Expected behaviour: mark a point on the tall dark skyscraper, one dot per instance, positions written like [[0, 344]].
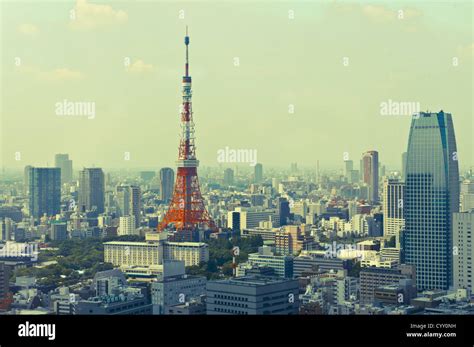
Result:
[[370, 173], [431, 198], [166, 184], [63, 162], [44, 191], [258, 173], [91, 190], [283, 206]]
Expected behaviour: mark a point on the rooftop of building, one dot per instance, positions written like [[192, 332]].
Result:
[[388, 287], [187, 244], [252, 281], [153, 243], [179, 278]]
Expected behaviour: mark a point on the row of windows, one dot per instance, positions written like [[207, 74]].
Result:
[[231, 297], [226, 310], [125, 307], [225, 303]]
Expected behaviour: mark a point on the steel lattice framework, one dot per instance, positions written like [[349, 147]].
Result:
[[186, 212]]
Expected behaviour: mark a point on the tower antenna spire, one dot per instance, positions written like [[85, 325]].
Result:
[[186, 42]]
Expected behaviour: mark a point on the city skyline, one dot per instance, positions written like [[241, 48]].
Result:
[[327, 189], [136, 120]]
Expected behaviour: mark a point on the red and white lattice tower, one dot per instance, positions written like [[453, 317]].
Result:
[[186, 212]]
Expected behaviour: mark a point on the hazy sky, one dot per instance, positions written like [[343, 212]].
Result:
[[335, 62]]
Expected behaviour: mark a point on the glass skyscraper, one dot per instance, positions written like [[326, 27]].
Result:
[[370, 174], [431, 198], [91, 190], [44, 191], [63, 162], [166, 184]]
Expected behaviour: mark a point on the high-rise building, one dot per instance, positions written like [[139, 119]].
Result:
[[166, 184], [228, 177], [348, 167], [135, 204], [58, 231], [91, 190], [370, 174], [363, 224], [63, 162], [26, 180], [467, 187], [4, 282], [467, 202], [463, 250], [393, 220], [431, 198], [127, 225], [129, 202], [354, 176], [6, 229], [275, 184], [467, 196], [258, 173], [283, 206], [404, 166], [44, 191]]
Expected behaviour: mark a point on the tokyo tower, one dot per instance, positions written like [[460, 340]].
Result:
[[186, 213]]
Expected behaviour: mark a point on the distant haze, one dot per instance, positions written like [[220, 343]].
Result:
[[297, 81]]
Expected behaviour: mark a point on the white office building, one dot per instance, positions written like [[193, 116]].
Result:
[[463, 250], [127, 226], [246, 218], [393, 220]]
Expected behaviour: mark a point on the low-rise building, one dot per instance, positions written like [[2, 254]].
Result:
[[282, 265], [153, 251], [174, 290], [373, 277], [252, 295]]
